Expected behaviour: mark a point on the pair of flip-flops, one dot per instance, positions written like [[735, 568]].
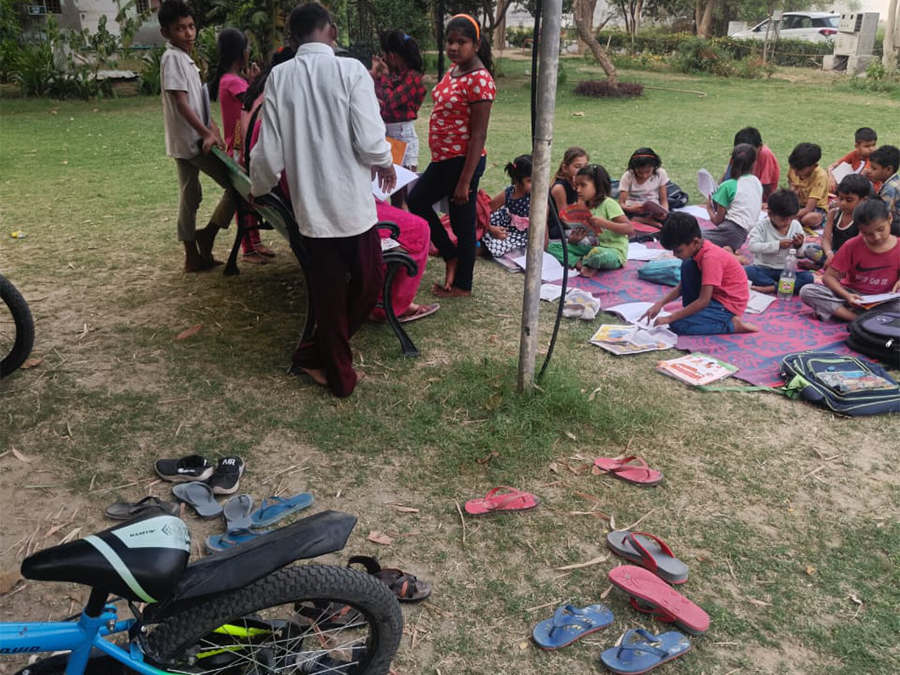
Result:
[[502, 499], [649, 594], [242, 521], [637, 651], [129, 510], [631, 469]]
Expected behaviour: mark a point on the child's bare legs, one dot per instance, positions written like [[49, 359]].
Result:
[[193, 261], [584, 270], [844, 314], [205, 239], [744, 326], [812, 220]]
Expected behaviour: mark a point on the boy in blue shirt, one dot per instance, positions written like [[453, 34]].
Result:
[[190, 133]]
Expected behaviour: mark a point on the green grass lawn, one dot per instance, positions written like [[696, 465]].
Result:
[[787, 516]]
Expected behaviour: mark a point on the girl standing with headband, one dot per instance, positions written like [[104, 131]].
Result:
[[643, 182], [457, 132]]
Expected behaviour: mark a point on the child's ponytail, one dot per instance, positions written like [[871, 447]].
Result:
[[570, 156], [469, 26], [743, 157], [602, 182], [519, 169], [230, 46], [398, 42]]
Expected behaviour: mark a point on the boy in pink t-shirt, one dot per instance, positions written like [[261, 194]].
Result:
[[714, 289], [868, 264], [766, 168]]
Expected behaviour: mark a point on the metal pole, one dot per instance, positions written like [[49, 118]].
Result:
[[543, 139]]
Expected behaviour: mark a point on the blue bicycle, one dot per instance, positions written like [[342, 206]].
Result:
[[245, 611]]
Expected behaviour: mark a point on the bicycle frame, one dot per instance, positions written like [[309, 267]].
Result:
[[78, 637]]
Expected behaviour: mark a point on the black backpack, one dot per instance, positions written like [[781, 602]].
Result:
[[678, 198], [876, 333]]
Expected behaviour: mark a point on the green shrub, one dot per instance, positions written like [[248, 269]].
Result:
[[876, 79], [9, 54], [36, 72], [702, 56], [603, 89], [149, 80]]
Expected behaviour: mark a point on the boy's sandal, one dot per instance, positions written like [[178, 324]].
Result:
[[129, 510], [648, 550], [222, 542], [495, 501], [570, 623], [420, 313], [237, 512], [652, 595], [272, 509], [405, 586], [638, 651], [262, 249], [200, 496], [632, 469], [326, 615]]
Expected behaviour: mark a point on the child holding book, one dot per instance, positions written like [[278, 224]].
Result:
[[642, 189], [713, 289], [868, 264], [734, 207], [858, 158], [839, 227], [771, 240], [600, 241], [508, 228]]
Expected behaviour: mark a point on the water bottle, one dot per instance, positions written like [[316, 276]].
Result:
[[788, 277]]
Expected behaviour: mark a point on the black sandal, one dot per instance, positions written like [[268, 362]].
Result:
[[405, 586]]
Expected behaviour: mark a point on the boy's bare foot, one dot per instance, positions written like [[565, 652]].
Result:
[[744, 326], [262, 249], [452, 292], [585, 271], [844, 314], [205, 239], [255, 258], [450, 275], [193, 261], [317, 374]]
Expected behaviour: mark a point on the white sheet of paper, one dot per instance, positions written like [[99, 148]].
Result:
[[387, 244], [550, 292], [695, 210], [841, 171], [404, 178], [639, 251], [758, 302], [706, 184], [633, 311], [878, 297], [551, 269]]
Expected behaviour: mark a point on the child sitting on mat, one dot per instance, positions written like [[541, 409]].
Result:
[[563, 190], [713, 289], [766, 167], [868, 264], [508, 229], [642, 190], [883, 166], [810, 182], [858, 158], [839, 227], [734, 207], [770, 242], [600, 241]]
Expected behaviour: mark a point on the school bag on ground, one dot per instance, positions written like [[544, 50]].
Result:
[[843, 384], [666, 272], [677, 197], [876, 333]]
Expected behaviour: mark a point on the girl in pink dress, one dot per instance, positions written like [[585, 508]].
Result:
[[229, 86]]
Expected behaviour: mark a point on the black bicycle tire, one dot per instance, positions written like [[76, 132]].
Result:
[[24, 328], [288, 585]]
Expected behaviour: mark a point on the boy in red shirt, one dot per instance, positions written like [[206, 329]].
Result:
[[858, 158], [868, 264], [714, 289]]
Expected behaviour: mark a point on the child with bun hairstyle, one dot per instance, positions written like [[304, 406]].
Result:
[[457, 131], [508, 229]]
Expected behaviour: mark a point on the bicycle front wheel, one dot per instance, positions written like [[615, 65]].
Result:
[[16, 339], [302, 619]]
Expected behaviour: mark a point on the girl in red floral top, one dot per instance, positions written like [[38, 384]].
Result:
[[457, 132], [398, 86]]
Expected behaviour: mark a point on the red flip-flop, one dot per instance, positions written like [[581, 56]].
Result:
[[632, 469], [495, 501], [665, 603]]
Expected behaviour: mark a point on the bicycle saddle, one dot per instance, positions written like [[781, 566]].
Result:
[[140, 560]]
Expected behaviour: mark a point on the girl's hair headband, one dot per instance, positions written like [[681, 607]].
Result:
[[474, 23]]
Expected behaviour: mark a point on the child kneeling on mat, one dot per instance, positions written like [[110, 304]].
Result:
[[713, 289], [868, 264]]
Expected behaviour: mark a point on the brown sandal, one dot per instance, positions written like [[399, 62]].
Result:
[[405, 586]]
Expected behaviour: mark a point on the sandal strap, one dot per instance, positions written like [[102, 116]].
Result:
[[648, 641], [367, 561], [658, 612], [648, 560], [570, 615]]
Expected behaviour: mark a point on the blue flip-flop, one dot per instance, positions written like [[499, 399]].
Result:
[[222, 542], [639, 651], [570, 623], [273, 509]]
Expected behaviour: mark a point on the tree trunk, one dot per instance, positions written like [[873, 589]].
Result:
[[500, 25], [704, 28], [636, 18], [892, 38], [586, 35], [586, 8]]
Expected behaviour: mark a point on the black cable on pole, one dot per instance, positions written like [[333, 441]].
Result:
[[440, 39], [534, 63]]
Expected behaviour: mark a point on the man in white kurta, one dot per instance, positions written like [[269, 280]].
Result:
[[322, 127]]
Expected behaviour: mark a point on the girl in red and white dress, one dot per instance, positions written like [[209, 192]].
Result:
[[457, 132]]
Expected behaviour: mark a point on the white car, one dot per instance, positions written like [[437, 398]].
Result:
[[811, 26]]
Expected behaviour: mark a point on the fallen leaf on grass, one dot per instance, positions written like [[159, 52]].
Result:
[[759, 603], [577, 114], [401, 508], [595, 561], [571, 435], [596, 470], [193, 330], [810, 570], [554, 467], [379, 538], [487, 458], [31, 362], [8, 581], [69, 537], [612, 522], [19, 456], [594, 393], [606, 592], [855, 599]]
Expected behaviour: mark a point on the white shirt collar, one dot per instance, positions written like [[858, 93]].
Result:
[[315, 48]]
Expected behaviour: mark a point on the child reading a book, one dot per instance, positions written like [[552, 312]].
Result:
[[600, 242], [858, 158], [810, 182], [852, 191], [771, 240], [508, 229], [642, 190], [734, 207], [868, 264], [713, 289], [766, 167]]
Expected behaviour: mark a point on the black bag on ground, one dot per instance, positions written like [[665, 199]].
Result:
[[677, 197], [876, 333], [842, 383]]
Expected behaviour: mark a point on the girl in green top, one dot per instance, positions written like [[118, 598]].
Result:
[[600, 240]]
